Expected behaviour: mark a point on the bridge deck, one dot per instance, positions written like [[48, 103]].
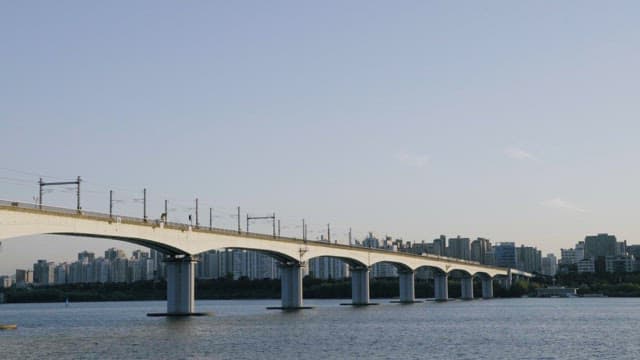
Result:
[[87, 215]]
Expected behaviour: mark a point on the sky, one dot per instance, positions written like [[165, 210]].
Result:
[[513, 121]]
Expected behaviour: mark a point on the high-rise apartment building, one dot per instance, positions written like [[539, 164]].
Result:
[[44, 272], [326, 267], [440, 246], [505, 254], [481, 251], [459, 248], [549, 265], [24, 277], [529, 259]]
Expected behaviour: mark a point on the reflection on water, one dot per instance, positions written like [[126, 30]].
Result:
[[495, 329]]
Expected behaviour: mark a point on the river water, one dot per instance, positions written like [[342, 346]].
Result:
[[603, 328]]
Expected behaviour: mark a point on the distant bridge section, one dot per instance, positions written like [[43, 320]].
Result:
[[181, 243]]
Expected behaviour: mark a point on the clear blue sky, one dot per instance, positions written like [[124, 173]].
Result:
[[515, 121]]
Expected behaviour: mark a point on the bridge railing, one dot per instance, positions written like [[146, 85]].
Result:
[[186, 226], [125, 219], [132, 220]]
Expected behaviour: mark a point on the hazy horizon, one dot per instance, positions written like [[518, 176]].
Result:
[[508, 121]]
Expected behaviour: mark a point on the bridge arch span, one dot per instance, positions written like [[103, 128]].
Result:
[[400, 266], [351, 262], [432, 267], [482, 275], [160, 247], [459, 273], [283, 258]]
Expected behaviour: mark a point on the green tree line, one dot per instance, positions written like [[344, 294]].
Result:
[[227, 288]]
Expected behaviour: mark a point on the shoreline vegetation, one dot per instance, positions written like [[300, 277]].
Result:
[[223, 289], [611, 285]]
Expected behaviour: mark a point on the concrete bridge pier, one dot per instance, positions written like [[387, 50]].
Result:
[[180, 287], [466, 287], [359, 286], [407, 287], [441, 286], [291, 287], [487, 288]]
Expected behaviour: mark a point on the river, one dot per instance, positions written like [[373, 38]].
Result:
[[577, 328]]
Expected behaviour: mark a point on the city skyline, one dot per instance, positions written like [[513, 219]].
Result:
[[182, 215], [602, 249], [512, 122]]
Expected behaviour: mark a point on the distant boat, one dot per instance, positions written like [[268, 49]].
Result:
[[8, 327], [556, 292]]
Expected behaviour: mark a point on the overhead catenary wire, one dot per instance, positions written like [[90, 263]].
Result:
[[224, 215]]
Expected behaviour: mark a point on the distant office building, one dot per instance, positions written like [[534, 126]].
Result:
[[158, 264], [209, 265], [60, 274], [621, 248], [249, 264], [226, 259], [101, 268], [371, 242], [74, 273], [572, 256], [113, 254], [118, 270], [6, 281], [419, 248], [505, 254], [586, 265], [326, 267], [440, 246], [139, 255], [24, 277], [383, 270], [43, 272], [86, 257], [459, 248], [140, 269], [490, 259], [549, 265], [260, 266], [568, 256], [619, 264], [430, 248], [481, 251], [579, 251], [634, 250], [600, 245], [529, 259]]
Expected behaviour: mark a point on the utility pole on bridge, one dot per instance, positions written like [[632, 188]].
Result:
[[197, 217], [304, 230], [42, 184], [144, 204], [272, 217]]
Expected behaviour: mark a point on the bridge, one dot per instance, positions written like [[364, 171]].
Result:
[[181, 243]]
